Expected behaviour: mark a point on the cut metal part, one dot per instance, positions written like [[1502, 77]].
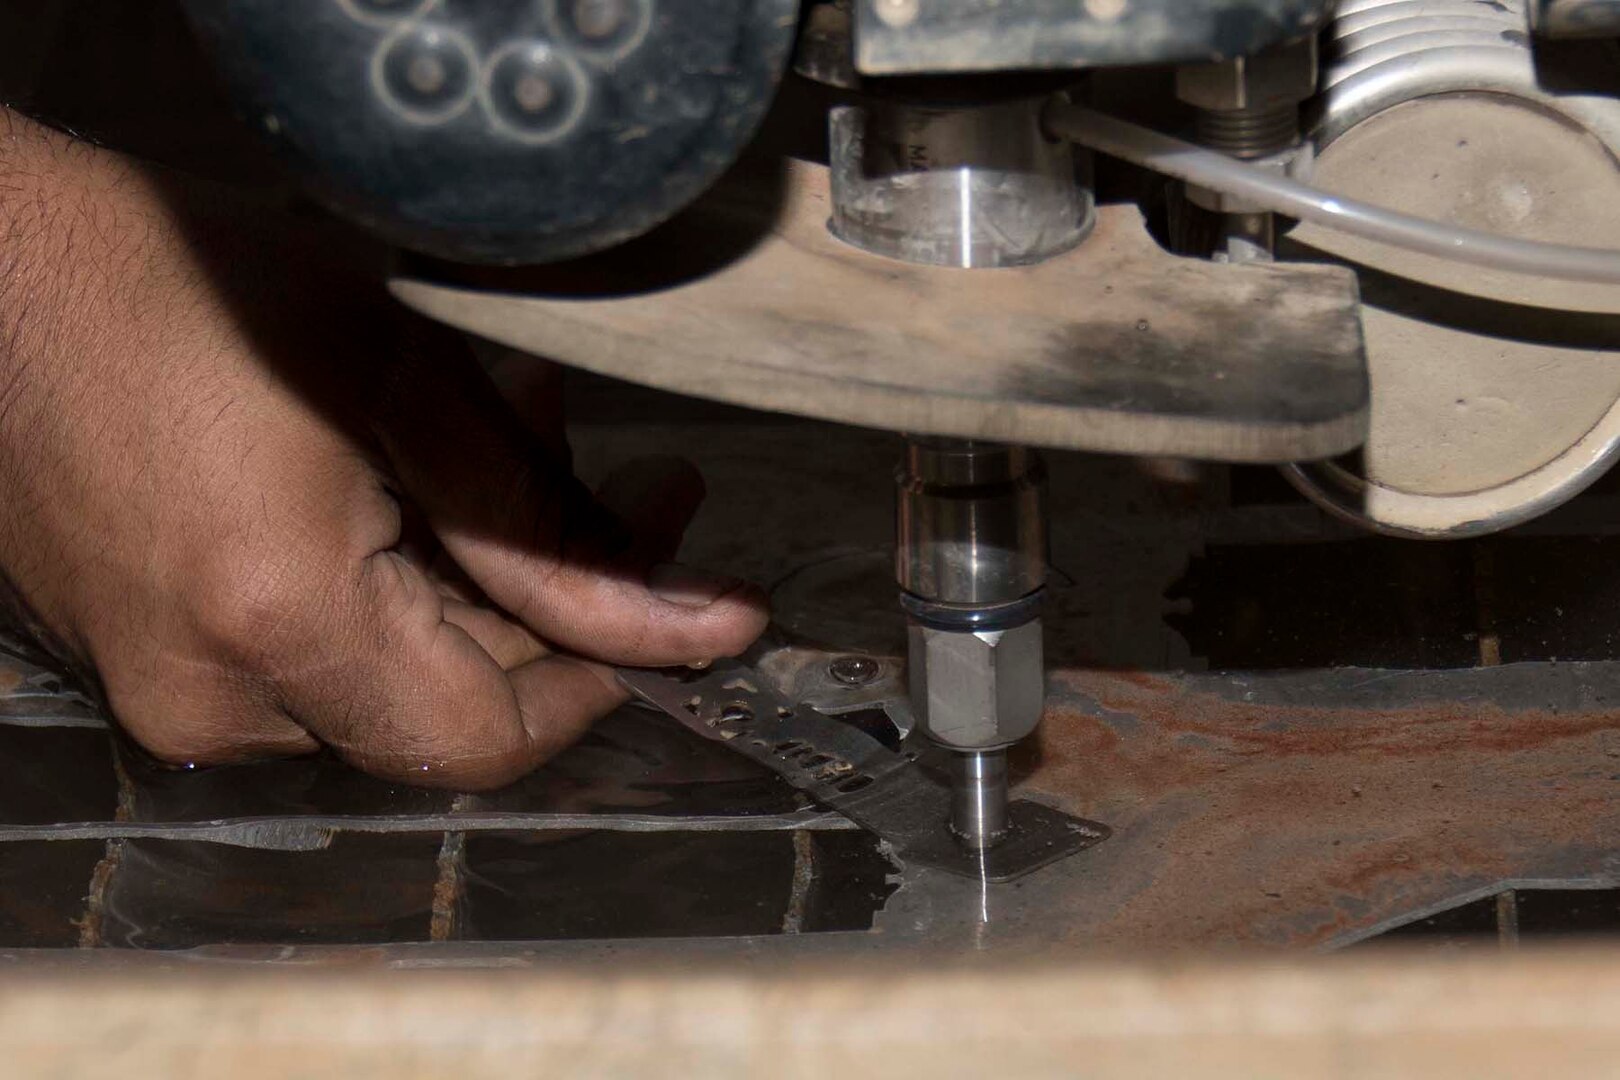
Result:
[[821, 680], [897, 795]]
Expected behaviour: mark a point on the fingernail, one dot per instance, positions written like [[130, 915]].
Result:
[[687, 586]]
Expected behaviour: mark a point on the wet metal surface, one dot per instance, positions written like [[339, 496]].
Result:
[[632, 763], [360, 890], [639, 831], [672, 775], [1273, 808], [68, 775], [1316, 797], [44, 886], [523, 887]]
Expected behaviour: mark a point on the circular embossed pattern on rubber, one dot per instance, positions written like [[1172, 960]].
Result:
[[504, 131]]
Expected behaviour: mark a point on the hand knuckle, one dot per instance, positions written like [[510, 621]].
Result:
[[250, 612], [202, 718]]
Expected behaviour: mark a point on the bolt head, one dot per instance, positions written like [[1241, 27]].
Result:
[[854, 670], [1283, 75]]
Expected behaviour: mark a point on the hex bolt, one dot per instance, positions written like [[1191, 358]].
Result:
[[854, 670], [979, 690]]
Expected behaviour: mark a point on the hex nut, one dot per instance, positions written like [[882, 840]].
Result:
[[977, 691], [1283, 75]]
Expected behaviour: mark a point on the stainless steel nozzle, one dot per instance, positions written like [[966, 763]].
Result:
[[979, 798]]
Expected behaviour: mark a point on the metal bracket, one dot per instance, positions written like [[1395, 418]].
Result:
[[897, 795], [1116, 347]]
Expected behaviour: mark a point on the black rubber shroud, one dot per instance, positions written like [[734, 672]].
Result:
[[503, 131]]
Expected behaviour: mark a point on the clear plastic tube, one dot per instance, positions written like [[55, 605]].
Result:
[[1283, 195]]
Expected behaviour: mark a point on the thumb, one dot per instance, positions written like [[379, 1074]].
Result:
[[528, 533]]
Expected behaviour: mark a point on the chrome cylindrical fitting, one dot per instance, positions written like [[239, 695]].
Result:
[[971, 522]]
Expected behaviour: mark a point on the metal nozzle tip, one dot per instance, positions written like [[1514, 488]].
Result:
[[979, 798]]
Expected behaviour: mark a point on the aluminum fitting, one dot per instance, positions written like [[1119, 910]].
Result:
[[979, 798], [963, 186]]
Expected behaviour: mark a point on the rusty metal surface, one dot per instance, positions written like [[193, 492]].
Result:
[[1318, 808], [1316, 799], [1298, 809]]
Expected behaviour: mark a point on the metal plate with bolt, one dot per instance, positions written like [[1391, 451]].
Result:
[[895, 794]]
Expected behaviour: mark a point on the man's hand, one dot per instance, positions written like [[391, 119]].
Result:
[[268, 513]]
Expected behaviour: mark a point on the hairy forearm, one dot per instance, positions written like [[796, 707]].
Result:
[[40, 172], [80, 230], [59, 201]]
